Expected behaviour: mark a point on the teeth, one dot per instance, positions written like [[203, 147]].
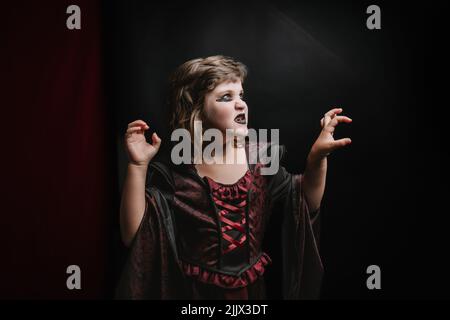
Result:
[[240, 119]]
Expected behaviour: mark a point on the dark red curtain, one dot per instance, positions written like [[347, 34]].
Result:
[[57, 207]]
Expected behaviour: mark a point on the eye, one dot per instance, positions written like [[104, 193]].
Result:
[[225, 97]]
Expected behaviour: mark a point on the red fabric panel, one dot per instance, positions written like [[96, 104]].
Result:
[[56, 184]]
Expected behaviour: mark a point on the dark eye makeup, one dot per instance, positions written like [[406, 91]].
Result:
[[227, 97]]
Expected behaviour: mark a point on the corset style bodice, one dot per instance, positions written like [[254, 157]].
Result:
[[220, 233]]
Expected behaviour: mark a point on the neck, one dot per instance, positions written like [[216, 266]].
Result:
[[230, 153]]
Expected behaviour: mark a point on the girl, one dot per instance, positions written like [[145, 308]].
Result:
[[195, 230]]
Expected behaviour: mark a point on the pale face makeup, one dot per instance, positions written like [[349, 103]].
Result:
[[225, 108]]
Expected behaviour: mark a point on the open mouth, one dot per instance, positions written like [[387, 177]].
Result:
[[240, 118]]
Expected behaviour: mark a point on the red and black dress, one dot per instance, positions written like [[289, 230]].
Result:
[[236, 271], [200, 239]]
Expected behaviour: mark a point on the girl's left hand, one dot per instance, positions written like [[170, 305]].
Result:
[[325, 143]]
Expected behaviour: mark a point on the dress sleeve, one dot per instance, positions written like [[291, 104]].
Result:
[[282, 184], [140, 264], [150, 272], [302, 265]]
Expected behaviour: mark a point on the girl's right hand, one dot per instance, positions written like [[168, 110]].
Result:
[[139, 151]]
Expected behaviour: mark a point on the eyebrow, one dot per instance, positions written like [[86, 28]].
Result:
[[228, 91]]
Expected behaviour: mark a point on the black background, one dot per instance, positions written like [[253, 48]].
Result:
[[67, 97], [305, 58]]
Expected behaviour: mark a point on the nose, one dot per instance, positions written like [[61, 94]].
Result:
[[240, 105]]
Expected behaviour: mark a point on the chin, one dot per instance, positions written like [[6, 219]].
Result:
[[241, 131]]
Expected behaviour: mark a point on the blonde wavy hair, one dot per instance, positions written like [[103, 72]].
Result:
[[192, 80]]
